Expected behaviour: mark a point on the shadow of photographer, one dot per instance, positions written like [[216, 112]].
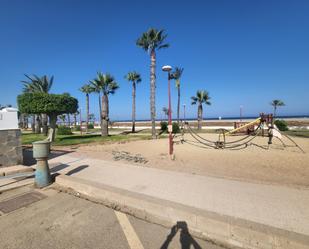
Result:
[[186, 239]]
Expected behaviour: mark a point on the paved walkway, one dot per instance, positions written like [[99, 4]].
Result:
[[277, 206]]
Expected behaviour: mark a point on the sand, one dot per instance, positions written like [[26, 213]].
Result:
[[278, 165]]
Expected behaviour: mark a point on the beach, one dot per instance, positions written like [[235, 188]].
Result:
[[277, 165]]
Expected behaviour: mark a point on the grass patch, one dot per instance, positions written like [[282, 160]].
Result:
[[297, 133], [62, 140]]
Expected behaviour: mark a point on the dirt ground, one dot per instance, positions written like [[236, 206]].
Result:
[[277, 165]]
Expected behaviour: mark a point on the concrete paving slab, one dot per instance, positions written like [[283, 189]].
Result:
[[276, 206]]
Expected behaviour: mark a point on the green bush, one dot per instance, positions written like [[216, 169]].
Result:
[[163, 126], [282, 125], [90, 126], [77, 128], [64, 130], [176, 128]]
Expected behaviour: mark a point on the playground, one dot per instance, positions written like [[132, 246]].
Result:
[[277, 165]]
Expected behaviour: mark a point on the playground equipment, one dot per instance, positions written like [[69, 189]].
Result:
[[264, 122]]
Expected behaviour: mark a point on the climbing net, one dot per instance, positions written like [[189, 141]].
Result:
[[242, 143]]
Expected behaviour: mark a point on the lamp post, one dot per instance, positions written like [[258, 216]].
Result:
[[170, 128]]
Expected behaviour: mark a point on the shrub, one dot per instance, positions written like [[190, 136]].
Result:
[[163, 126], [77, 128], [282, 125], [176, 128], [64, 130], [90, 126]]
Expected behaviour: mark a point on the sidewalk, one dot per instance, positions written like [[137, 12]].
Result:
[[278, 206]]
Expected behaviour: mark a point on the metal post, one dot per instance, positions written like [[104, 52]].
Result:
[[170, 116], [80, 121]]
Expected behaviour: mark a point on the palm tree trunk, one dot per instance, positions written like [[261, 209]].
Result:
[[100, 107], [69, 120], [178, 104], [87, 111], [133, 106], [153, 93], [44, 121], [33, 123], [275, 111], [199, 117], [105, 118], [75, 119], [52, 123], [37, 124]]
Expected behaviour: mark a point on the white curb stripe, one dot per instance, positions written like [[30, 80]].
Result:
[[129, 232]]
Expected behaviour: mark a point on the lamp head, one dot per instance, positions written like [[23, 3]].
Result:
[[166, 68]]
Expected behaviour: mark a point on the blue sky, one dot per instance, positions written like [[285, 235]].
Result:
[[243, 52]]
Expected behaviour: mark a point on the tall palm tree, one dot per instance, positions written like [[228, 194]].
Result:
[[87, 89], [38, 84], [151, 41], [176, 75], [135, 78], [108, 86], [276, 103], [97, 89], [201, 97]]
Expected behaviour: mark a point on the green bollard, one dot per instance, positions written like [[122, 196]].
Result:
[[40, 153]]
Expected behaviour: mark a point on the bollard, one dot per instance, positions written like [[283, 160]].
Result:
[[40, 153]]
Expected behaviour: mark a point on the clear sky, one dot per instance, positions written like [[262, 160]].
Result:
[[243, 52]]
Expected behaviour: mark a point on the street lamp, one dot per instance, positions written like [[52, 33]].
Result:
[[170, 128]]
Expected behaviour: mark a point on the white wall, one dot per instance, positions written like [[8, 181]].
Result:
[[8, 119]]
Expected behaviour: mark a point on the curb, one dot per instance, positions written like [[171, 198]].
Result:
[[12, 170], [223, 230]]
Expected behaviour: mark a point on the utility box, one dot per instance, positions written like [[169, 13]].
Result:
[[10, 138]]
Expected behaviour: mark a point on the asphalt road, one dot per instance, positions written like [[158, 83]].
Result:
[[58, 220]]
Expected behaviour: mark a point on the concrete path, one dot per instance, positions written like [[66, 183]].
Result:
[[62, 221], [276, 206]]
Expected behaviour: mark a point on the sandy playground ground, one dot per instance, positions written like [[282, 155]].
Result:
[[278, 165]]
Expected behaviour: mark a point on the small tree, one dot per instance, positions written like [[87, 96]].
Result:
[[87, 89], [135, 78], [50, 104], [202, 97], [108, 86], [276, 103], [176, 75]]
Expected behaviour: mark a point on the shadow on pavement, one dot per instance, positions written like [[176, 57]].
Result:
[[186, 239], [77, 169]]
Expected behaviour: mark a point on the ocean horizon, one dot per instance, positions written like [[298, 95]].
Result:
[[215, 118]]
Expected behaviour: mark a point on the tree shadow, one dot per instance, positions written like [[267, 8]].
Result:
[[186, 239]]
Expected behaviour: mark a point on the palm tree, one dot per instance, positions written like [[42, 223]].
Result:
[[135, 78], [176, 75], [38, 84], [97, 89], [276, 103], [151, 41], [108, 86], [87, 89], [202, 97], [165, 111]]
